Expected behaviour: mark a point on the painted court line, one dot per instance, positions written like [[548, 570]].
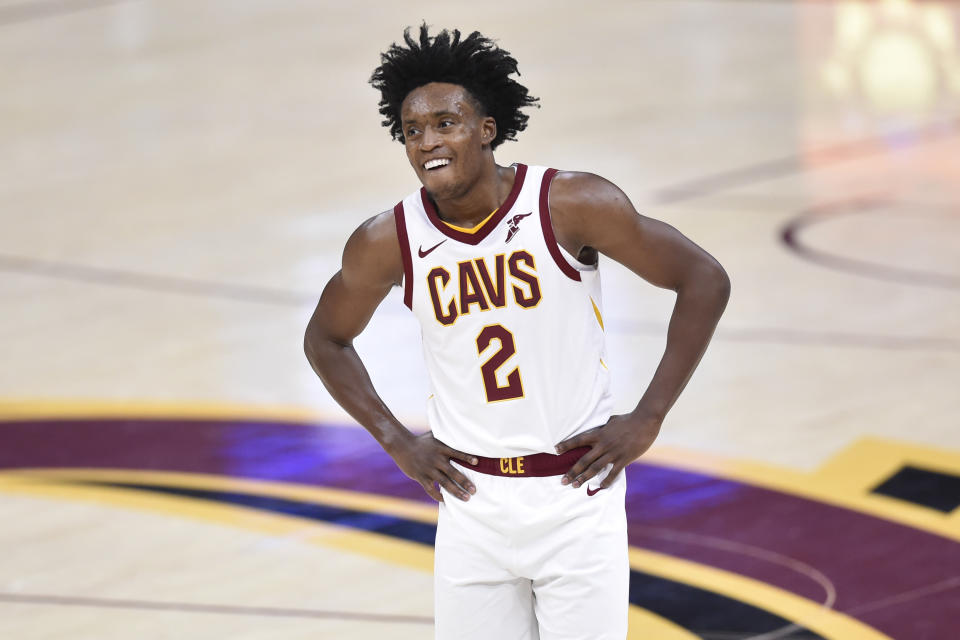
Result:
[[286, 297], [818, 158], [791, 232], [190, 607]]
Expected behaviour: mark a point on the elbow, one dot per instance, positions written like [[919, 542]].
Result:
[[318, 344], [708, 282], [306, 344], [313, 340], [309, 344], [721, 284]]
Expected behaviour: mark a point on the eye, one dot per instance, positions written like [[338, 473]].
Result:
[[411, 131], [446, 123]]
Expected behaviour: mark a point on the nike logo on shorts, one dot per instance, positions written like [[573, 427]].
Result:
[[593, 492], [424, 254]]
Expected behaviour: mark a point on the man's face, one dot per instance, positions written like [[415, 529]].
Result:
[[445, 137]]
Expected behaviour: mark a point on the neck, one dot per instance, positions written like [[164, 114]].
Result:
[[480, 199]]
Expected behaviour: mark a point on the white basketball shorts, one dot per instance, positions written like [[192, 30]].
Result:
[[527, 558]]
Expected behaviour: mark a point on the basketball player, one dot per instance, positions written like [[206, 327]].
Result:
[[499, 264]]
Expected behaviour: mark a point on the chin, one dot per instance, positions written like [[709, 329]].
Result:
[[443, 189]]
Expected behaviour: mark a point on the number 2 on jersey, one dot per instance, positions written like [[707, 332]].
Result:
[[513, 388]]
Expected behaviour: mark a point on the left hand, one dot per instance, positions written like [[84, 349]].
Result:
[[620, 441]]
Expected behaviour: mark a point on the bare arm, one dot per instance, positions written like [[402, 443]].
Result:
[[371, 266], [591, 214]]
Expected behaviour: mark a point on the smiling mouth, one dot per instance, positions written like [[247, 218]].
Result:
[[436, 164]]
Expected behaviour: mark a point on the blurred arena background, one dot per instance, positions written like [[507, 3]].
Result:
[[177, 180]]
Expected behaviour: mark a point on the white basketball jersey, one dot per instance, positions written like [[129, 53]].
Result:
[[511, 324]]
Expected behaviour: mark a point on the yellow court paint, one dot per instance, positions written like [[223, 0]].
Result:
[[391, 550], [844, 481], [41, 408], [812, 615], [409, 509], [870, 461], [646, 625]]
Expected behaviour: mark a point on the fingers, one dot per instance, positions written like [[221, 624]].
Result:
[[580, 440], [461, 481], [454, 488], [454, 482], [459, 455], [572, 443], [454, 474], [434, 468], [591, 471], [612, 476], [580, 466], [432, 491]]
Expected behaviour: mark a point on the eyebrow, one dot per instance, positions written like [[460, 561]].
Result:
[[432, 114]]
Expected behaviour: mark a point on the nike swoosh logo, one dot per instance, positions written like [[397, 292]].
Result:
[[424, 254], [593, 492]]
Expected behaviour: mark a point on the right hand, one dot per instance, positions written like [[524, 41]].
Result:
[[427, 460]]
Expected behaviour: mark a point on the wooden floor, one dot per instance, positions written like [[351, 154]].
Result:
[[177, 180]]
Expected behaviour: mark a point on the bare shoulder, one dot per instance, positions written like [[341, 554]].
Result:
[[581, 190], [371, 257], [590, 212], [585, 204]]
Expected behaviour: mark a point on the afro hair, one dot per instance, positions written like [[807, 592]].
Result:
[[475, 63]]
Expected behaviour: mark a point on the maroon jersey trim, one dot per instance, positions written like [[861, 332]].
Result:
[[548, 236], [477, 235], [401, 223]]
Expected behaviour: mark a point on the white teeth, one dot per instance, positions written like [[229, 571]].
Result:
[[439, 162]]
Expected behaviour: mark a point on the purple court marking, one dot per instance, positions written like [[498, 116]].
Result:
[[722, 523], [867, 559], [192, 607], [790, 235]]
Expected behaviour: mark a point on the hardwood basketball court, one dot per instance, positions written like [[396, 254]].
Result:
[[177, 180]]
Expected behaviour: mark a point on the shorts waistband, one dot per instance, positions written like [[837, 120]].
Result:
[[535, 465]]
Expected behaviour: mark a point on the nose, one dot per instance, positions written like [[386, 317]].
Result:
[[430, 139]]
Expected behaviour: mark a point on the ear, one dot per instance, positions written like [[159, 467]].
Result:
[[488, 130]]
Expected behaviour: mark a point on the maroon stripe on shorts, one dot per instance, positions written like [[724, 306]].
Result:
[[536, 465]]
